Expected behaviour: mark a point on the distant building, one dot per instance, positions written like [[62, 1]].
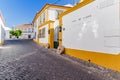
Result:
[[27, 31], [2, 31]]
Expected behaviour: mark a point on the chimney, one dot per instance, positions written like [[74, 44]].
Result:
[[81, 1]]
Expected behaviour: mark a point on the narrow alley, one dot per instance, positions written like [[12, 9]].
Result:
[[25, 60]]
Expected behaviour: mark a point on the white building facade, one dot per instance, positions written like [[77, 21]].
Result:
[[2, 31], [46, 22], [91, 31], [27, 31], [7, 33]]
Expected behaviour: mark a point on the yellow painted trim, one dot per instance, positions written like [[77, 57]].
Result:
[[51, 35], [79, 5], [60, 7], [60, 21], [48, 6], [1, 43], [103, 59], [60, 33], [39, 43], [46, 15], [43, 44], [40, 12], [36, 41], [35, 18], [47, 22]]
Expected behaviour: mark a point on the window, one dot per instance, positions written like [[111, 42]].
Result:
[[39, 34], [35, 24], [58, 12], [40, 20], [24, 29], [42, 33], [43, 17], [32, 30], [29, 29]]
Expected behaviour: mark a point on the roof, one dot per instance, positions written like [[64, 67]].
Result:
[[24, 26], [2, 18], [47, 6]]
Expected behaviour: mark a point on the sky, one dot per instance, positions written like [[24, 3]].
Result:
[[17, 12]]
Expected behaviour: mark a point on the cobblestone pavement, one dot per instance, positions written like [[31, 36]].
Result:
[[25, 60]]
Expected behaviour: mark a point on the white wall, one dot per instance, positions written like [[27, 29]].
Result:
[[56, 30], [95, 27], [25, 36], [26, 32], [2, 31], [45, 39], [2, 34], [7, 34], [36, 29], [52, 14]]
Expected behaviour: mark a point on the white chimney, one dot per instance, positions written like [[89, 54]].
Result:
[[81, 1]]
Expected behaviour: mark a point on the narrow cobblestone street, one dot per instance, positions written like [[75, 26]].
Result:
[[25, 60]]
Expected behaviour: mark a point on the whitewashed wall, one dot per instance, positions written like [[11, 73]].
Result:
[[2, 31], [95, 27], [45, 39], [52, 13], [56, 30], [25, 36], [36, 29], [7, 34], [1, 34]]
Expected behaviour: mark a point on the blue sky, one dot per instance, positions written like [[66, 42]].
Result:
[[18, 12]]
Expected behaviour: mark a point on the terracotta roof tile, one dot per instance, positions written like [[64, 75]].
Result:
[[24, 26]]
